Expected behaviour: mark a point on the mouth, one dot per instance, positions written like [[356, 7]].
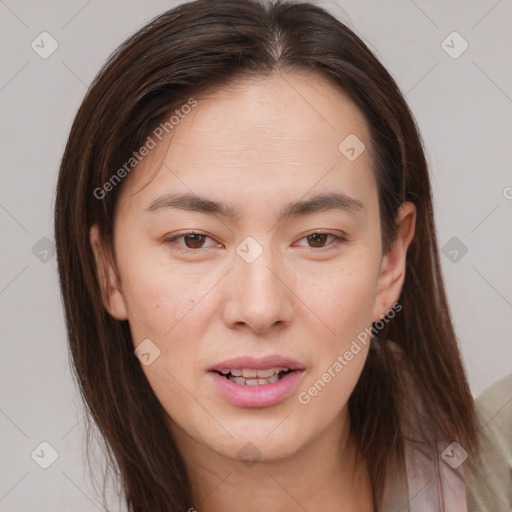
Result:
[[251, 388], [252, 377], [247, 381]]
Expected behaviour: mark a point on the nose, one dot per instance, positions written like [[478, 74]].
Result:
[[260, 294]]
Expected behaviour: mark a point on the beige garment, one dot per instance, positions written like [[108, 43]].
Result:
[[488, 490]]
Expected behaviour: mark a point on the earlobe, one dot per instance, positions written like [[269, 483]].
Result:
[[392, 273], [113, 299]]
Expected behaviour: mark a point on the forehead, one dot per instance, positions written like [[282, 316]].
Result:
[[283, 113], [280, 133]]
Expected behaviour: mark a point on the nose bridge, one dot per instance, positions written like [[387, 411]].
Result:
[[256, 267], [260, 294]]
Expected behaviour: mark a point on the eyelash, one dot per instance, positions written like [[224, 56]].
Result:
[[188, 249]]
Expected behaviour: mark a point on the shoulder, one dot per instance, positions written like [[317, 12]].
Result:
[[489, 488]]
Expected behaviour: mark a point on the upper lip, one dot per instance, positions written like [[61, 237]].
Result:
[[254, 363]]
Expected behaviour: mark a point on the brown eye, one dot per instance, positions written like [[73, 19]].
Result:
[[190, 241], [194, 241], [318, 239], [321, 240]]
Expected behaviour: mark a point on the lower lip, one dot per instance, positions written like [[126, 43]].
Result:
[[261, 395]]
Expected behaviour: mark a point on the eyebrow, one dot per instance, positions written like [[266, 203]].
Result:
[[319, 203]]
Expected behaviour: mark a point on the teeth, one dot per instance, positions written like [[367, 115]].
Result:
[[270, 380], [251, 374], [264, 374], [253, 382], [250, 377]]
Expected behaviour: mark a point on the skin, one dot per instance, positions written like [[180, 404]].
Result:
[[258, 145]]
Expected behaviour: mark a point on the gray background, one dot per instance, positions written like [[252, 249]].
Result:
[[463, 109]]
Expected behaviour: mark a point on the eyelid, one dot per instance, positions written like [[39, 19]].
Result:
[[175, 237], [337, 238], [334, 232]]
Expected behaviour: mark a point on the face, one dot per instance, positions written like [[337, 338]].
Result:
[[280, 261]]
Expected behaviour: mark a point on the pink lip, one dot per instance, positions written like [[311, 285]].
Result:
[[252, 363], [261, 395]]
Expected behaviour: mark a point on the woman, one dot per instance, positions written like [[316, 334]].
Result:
[[250, 273]]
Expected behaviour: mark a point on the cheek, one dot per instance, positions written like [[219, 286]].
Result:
[[164, 306], [344, 301], [159, 294], [342, 296]]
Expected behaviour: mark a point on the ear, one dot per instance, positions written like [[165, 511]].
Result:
[[113, 299], [392, 273]]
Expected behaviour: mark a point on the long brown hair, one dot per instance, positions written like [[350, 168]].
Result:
[[192, 48]]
